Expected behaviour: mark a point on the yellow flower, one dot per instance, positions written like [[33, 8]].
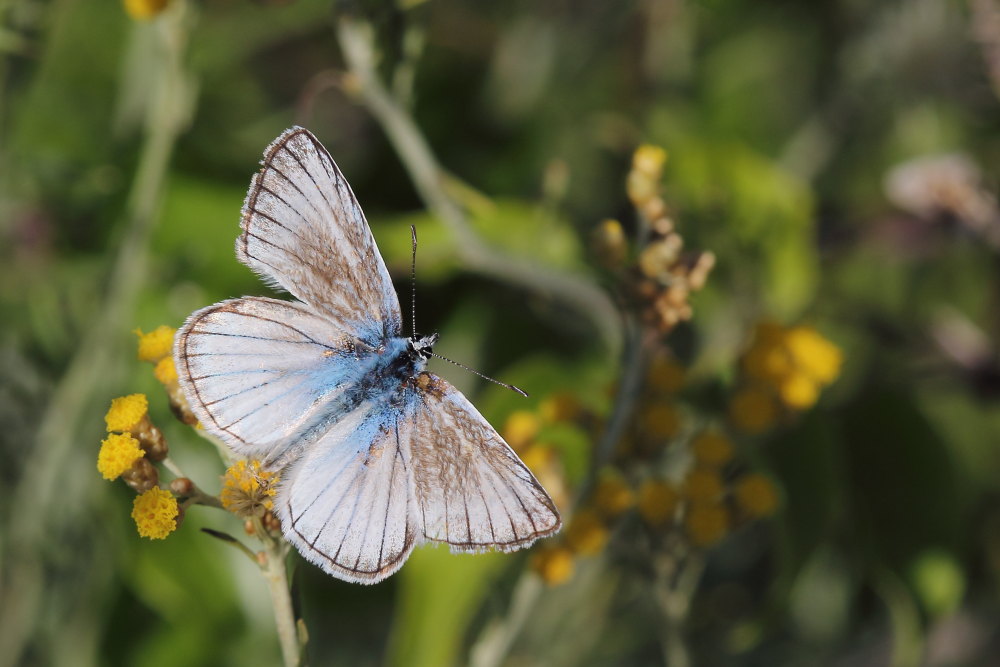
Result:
[[665, 375], [612, 496], [144, 9], [156, 344], [798, 391], [706, 524], [247, 490], [166, 371], [127, 412], [559, 407], [521, 428], [712, 448], [553, 564], [657, 502], [814, 354], [756, 495], [587, 533], [703, 485], [155, 513], [649, 160], [795, 362], [118, 453], [753, 410], [660, 420]]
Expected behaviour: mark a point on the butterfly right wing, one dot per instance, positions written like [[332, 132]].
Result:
[[472, 490], [259, 372]]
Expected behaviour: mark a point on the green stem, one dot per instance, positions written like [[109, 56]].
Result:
[[273, 567]]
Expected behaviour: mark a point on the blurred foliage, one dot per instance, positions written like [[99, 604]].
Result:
[[837, 158]]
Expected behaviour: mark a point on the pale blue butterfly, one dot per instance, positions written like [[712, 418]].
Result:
[[377, 455]]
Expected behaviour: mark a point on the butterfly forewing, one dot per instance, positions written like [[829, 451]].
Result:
[[471, 489], [303, 229], [256, 371]]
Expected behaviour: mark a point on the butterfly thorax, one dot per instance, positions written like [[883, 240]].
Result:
[[385, 372]]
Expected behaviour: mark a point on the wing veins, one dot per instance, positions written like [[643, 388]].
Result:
[[241, 372], [256, 409], [308, 173], [323, 492], [273, 340], [292, 230], [513, 528], [368, 523], [286, 325], [295, 185], [534, 526], [275, 245]]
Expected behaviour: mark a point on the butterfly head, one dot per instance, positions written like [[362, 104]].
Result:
[[421, 348]]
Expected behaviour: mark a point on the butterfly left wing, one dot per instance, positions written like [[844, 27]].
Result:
[[347, 504], [260, 373], [304, 230], [471, 489]]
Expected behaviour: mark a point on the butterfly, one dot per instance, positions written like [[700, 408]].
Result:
[[376, 454]]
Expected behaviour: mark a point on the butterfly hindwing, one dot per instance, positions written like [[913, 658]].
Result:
[[347, 505], [472, 491], [304, 230]]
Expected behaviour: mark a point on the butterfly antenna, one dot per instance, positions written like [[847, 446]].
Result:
[[413, 285], [485, 377]]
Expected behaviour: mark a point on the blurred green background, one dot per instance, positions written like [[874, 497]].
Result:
[[838, 157]]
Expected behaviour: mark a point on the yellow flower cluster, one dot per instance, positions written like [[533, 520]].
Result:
[[785, 368], [130, 414], [157, 348], [155, 513], [698, 502], [247, 489], [706, 503]]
